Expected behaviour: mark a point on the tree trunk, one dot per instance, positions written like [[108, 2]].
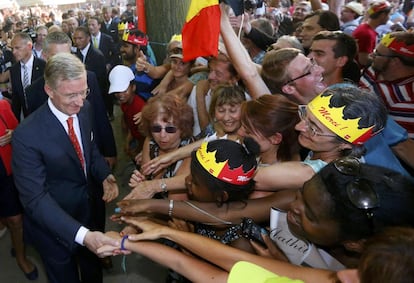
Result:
[[164, 18]]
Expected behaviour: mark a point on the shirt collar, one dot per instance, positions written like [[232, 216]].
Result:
[[62, 117], [29, 63]]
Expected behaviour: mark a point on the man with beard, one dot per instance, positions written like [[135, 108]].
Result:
[[391, 75], [134, 44]]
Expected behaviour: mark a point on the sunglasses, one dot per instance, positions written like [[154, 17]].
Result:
[[360, 191], [167, 129]]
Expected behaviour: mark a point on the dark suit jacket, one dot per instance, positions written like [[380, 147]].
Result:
[[95, 62], [112, 30], [104, 136], [52, 185], [18, 95], [109, 50]]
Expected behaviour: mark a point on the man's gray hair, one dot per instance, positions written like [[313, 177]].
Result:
[[56, 37], [63, 67]]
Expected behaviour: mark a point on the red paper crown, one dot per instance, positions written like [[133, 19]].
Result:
[[221, 170], [135, 39], [400, 47]]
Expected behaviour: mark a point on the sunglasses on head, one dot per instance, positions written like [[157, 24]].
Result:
[[168, 129], [360, 191]]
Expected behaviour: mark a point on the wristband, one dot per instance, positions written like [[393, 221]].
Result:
[[170, 208], [123, 242], [163, 186]]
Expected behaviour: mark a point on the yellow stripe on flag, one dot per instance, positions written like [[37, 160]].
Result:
[[197, 6]]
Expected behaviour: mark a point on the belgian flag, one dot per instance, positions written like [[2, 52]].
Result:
[[201, 29]]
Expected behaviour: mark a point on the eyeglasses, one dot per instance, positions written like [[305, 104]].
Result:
[[311, 69], [375, 53], [304, 117], [360, 191], [168, 129], [73, 96]]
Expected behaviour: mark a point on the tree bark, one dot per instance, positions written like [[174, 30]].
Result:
[[164, 18]]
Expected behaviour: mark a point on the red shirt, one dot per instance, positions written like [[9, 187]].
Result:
[[129, 111], [7, 121]]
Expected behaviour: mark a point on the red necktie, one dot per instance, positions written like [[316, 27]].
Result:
[[75, 142]]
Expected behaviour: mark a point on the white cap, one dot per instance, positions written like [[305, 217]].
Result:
[[356, 7], [120, 77]]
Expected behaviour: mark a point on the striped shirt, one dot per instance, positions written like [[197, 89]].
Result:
[[397, 95]]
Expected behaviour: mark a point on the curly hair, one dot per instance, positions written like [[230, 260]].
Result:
[[171, 108]]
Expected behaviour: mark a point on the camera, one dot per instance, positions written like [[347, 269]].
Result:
[[252, 231]]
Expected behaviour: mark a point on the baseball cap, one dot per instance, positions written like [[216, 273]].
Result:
[[244, 271], [378, 6], [355, 7], [120, 77]]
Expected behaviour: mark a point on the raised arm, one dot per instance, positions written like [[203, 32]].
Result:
[[245, 67]]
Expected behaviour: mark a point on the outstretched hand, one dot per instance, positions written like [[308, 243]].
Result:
[[150, 229], [110, 188], [94, 240]]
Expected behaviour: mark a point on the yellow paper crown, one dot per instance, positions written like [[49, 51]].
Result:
[[176, 37], [221, 170], [125, 25], [333, 119]]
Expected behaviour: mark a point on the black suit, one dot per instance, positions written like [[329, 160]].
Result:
[[104, 136], [113, 58], [56, 193], [95, 62], [112, 30], [109, 50], [18, 95]]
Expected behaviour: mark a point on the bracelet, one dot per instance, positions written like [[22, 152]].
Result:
[[170, 208], [123, 242], [163, 186]]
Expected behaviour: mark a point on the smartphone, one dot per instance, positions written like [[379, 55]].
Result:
[[252, 231]]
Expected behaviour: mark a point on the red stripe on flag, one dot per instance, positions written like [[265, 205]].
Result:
[[201, 34]]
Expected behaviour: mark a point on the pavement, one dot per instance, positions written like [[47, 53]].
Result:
[[138, 268]]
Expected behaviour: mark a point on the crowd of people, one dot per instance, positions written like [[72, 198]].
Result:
[[288, 156]]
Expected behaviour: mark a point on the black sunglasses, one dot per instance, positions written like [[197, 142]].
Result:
[[360, 191], [168, 129]]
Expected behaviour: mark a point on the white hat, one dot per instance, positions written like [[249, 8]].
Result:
[[120, 77], [355, 7]]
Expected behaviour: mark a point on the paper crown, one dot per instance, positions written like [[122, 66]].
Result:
[[221, 170], [333, 119], [125, 26], [134, 39], [378, 6], [176, 37], [398, 46]]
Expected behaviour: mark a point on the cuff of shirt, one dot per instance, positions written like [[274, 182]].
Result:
[[80, 235]]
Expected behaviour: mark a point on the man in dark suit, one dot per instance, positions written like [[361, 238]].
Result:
[[110, 51], [93, 59], [55, 174], [108, 26], [26, 70], [58, 42]]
